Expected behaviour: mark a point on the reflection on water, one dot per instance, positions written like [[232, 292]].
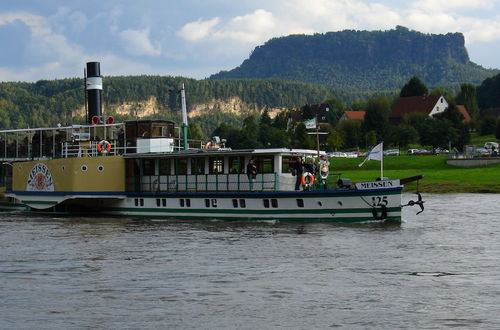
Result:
[[435, 270]]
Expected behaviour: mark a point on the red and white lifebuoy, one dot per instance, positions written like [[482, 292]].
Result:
[[104, 146], [307, 179]]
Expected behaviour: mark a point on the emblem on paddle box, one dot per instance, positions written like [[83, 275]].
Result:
[[40, 179]]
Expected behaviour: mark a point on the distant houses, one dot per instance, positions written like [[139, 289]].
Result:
[[352, 115], [429, 105]]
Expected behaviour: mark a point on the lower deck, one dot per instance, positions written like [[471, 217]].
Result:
[[348, 205]]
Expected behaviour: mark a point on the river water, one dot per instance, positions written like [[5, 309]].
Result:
[[440, 269]]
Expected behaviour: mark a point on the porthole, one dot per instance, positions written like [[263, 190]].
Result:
[[100, 168], [319, 203], [84, 168]]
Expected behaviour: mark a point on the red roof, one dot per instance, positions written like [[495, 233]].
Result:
[[423, 104], [360, 115], [463, 110]]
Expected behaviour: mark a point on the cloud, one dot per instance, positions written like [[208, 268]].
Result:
[[442, 5], [137, 42], [198, 30]]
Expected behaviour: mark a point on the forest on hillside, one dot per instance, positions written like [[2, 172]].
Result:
[[364, 60], [47, 103]]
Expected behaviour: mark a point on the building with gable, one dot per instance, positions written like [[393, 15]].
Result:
[[352, 115], [430, 105]]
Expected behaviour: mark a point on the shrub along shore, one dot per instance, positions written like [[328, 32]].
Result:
[[439, 177]]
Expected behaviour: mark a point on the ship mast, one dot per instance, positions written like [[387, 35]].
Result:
[[184, 118]]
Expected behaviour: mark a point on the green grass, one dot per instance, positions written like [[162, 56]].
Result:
[[480, 140], [439, 177]]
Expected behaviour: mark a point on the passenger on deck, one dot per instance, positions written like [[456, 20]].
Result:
[[310, 166], [251, 173], [298, 167]]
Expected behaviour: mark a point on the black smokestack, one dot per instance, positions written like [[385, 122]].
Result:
[[94, 89]]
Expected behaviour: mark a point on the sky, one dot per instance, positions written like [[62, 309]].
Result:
[[53, 39]]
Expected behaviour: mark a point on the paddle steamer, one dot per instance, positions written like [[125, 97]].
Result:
[[142, 168]]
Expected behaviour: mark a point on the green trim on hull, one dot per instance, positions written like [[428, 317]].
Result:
[[229, 218], [326, 215]]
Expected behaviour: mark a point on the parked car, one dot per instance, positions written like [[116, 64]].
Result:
[[391, 152], [424, 152], [412, 151], [490, 145], [439, 151], [482, 152], [337, 154], [352, 154]]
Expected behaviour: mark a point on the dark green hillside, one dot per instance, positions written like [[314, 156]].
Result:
[[47, 103], [363, 60]]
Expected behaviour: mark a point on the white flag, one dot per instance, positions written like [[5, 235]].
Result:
[[311, 123], [376, 153]]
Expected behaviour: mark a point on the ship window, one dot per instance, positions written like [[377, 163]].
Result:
[[197, 165], [84, 168], [300, 202], [214, 202], [148, 167], [181, 166], [237, 164], [136, 201], [158, 202], [181, 202], [188, 202], [142, 201], [164, 202], [164, 167], [100, 168], [144, 130], [274, 202], [265, 164], [235, 203], [216, 165], [243, 203], [207, 202], [287, 163], [266, 203]]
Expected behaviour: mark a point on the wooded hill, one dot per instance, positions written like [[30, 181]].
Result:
[[364, 60], [47, 103]]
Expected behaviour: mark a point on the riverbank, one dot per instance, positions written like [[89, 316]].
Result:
[[439, 177]]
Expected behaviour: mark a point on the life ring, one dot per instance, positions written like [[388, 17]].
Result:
[[104, 146], [310, 179]]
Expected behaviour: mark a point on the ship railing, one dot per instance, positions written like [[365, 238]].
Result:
[[89, 149], [204, 183]]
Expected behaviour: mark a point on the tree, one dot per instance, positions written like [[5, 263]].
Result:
[[281, 120], [371, 138], [414, 87], [334, 140], [405, 135], [468, 97], [195, 132], [250, 133], [265, 119], [487, 125], [377, 116], [352, 133], [300, 138]]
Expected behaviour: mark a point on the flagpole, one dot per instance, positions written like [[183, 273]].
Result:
[[382, 162], [382, 166]]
